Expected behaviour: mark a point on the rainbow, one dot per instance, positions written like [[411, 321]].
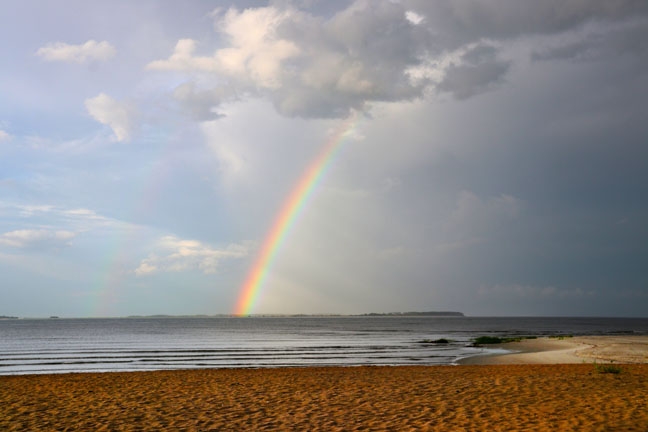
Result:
[[290, 210], [107, 286]]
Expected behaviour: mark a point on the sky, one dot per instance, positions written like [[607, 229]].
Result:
[[491, 156]]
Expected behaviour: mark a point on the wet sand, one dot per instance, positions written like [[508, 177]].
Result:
[[434, 398]]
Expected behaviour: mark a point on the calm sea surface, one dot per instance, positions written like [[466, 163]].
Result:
[[30, 346]]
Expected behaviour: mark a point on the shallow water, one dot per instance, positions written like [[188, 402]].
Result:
[[29, 346]]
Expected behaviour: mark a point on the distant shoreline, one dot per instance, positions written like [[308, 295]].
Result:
[[433, 314]]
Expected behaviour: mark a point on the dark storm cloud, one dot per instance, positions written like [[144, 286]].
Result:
[[478, 70], [470, 20], [627, 40]]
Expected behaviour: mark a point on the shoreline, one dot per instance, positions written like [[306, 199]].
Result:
[[567, 392], [570, 350], [632, 349]]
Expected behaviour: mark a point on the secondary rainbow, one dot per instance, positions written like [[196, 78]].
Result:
[[291, 209]]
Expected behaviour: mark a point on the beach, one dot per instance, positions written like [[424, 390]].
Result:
[[570, 350], [567, 396]]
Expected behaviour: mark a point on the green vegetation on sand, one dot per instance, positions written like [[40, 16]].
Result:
[[493, 340]]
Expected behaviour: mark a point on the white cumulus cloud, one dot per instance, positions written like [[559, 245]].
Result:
[[184, 255], [255, 53], [118, 115], [308, 66], [413, 17], [36, 238], [88, 51]]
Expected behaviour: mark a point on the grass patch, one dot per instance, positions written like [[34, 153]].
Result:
[[488, 340], [493, 340], [607, 369], [561, 337]]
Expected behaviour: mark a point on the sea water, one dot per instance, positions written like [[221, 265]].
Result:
[[33, 346]]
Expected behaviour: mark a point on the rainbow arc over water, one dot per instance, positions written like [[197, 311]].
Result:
[[289, 213]]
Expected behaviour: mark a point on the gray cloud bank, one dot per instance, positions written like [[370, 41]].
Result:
[[323, 66], [524, 193]]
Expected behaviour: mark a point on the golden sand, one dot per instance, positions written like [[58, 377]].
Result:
[[434, 398]]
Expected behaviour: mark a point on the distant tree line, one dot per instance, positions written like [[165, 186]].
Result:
[[429, 313]]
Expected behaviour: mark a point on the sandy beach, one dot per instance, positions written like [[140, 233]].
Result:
[[496, 397], [572, 350]]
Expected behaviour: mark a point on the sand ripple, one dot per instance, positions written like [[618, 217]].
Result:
[[437, 398]]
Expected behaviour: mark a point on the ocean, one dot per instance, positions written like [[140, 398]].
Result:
[[36, 346]]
